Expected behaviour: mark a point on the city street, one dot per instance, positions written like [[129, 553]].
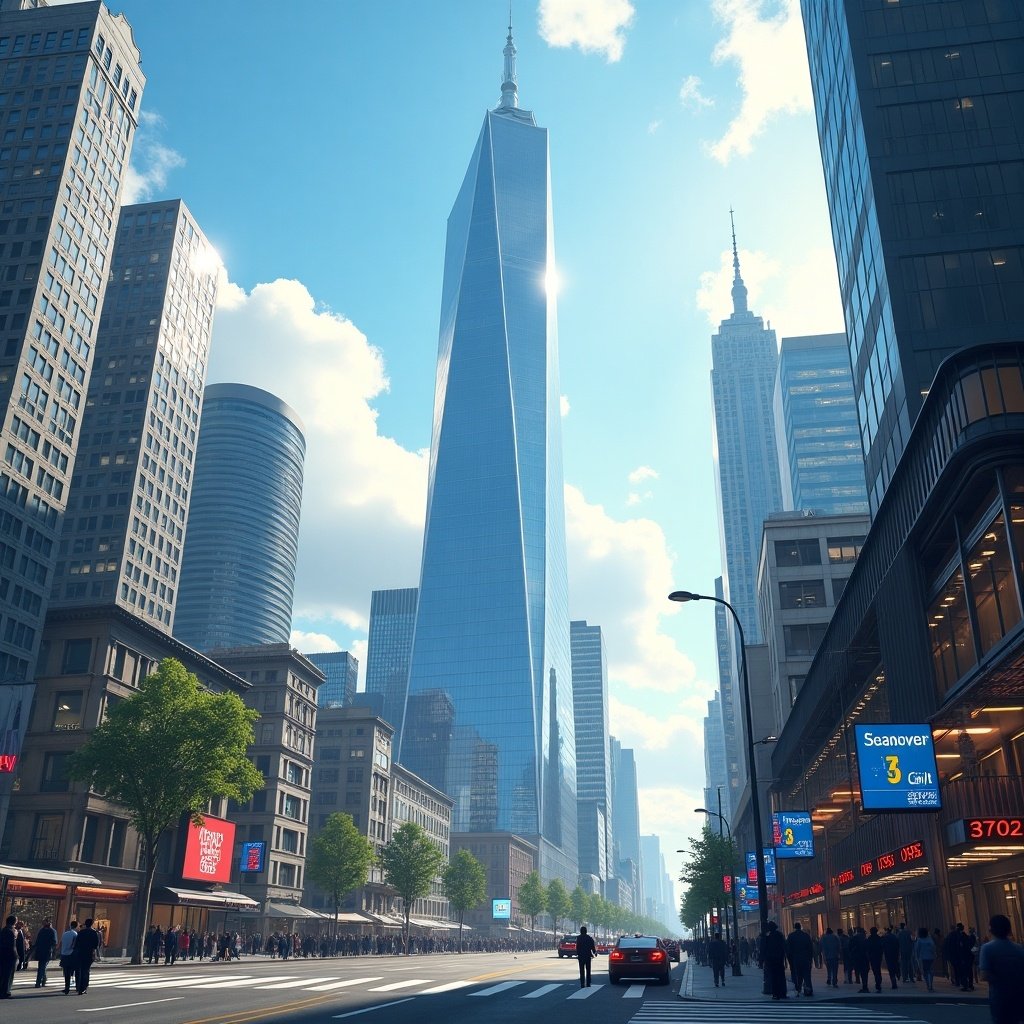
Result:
[[468, 989]]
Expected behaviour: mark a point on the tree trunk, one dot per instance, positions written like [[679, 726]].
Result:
[[334, 930], [462, 917], [140, 912], [407, 909]]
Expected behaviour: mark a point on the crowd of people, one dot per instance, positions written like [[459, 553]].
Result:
[[78, 949]]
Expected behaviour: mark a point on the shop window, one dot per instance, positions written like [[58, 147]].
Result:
[[799, 594], [789, 553], [993, 588], [952, 641], [77, 655], [67, 711]]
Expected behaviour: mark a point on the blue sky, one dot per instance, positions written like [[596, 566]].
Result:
[[320, 144]]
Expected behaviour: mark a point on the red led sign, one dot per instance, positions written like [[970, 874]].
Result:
[[208, 850], [727, 884], [993, 828], [8, 762], [802, 894], [886, 863]]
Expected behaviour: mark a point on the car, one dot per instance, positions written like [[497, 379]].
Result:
[[639, 956], [567, 947], [672, 948]]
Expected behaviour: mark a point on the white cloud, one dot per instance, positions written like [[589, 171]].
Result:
[[714, 295], [652, 127], [637, 728], [313, 643], [152, 162], [563, 405], [690, 94], [766, 40], [595, 26], [642, 473]]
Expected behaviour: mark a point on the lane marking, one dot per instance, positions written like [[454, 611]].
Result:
[[181, 982], [401, 984], [495, 989], [542, 991], [258, 1014], [585, 993], [125, 1006], [372, 1009], [341, 984], [450, 987], [634, 992], [295, 984]]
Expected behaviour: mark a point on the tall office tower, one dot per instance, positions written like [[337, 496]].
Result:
[[626, 817], [651, 862], [716, 781], [728, 694], [71, 84], [389, 648], [744, 357], [341, 671], [593, 767], [918, 109], [821, 463], [238, 568], [492, 624], [122, 537]]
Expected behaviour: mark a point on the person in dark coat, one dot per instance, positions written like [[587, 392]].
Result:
[[800, 951], [875, 953], [773, 955], [830, 948], [46, 943], [963, 949], [8, 957], [891, 952], [906, 941], [586, 950], [1002, 966], [87, 944], [859, 957], [949, 954], [718, 955], [844, 956]]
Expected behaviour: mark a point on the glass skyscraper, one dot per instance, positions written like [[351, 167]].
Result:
[[238, 566], [919, 111], [341, 672], [821, 463], [492, 624], [389, 648]]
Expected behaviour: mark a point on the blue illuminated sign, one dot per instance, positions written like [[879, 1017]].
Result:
[[253, 857], [501, 910], [770, 876], [897, 768], [792, 835]]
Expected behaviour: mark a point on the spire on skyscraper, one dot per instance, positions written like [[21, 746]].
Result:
[[509, 89], [739, 289]]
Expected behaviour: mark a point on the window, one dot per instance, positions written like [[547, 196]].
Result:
[[263, 765], [797, 552], [46, 840], [949, 629], [802, 640], [838, 587], [357, 752], [286, 874], [292, 807], [802, 594], [329, 754], [329, 775], [992, 585], [67, 711], [354, 775], [844, 549], [289, 840], [54, 778], [77, 655], [295, 774], [795, 685], [259, 801]]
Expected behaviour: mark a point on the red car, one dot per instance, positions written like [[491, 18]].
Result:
[[567, 947]]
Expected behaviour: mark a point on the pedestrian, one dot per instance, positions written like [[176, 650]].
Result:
[[46, 943], [830, 950], [8, 957], [1002, 965], [891, 952], [859, 957], [718, 954], [67, 955], [906, 946], [924, 954], [950, 953], [844, 956], [21, 944], [876, 951], [586, 950], [939, 967], [800, 951], [963, 951], [86, 945], [773, 956]]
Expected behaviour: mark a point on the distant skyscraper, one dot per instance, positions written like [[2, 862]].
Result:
[[123, 534], [744, 357], [238, 568], [392, 622], [626, 815], [714, 758], [918, 112], [821, 463], [728, 694], [593, 768], [341, 671], [492, 624], [64, 70]]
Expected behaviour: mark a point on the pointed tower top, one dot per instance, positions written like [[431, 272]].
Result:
[[739, 289], [509, 88]]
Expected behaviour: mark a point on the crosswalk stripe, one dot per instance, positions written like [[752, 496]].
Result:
[[211, 983], [495, 989], [331, 986], [450, 987], [196, 979], [293, 983], [401, 984], [634, 992], [542, 991], [585, 993]]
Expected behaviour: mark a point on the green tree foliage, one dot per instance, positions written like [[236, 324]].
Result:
[[410, 863], [465, 885], [559, 904], [339, 860], [166, 752], [708, 859], [581, 907], [533, 898]]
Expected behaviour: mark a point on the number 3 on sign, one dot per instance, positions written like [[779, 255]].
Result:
[[788, 837], [892, 769]]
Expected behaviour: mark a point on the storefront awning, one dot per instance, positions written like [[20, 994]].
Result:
[[204, 898], [14, 872], [291, 910]]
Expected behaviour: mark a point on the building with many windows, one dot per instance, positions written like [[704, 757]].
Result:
[[389, 647], [626, 821], [716, 790], [507, 860], [341, 672]]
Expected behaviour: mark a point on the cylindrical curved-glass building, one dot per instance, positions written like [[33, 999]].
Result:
[[242, 539]]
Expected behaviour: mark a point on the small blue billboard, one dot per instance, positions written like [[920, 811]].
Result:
[[254, 857], [501, 910], [770, 875], [896, 764], [792, 834]]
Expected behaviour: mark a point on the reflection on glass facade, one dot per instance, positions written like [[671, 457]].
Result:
[[341, 671], [492, 624], [922, 140], [389, 648], [821, 464], [238, 567]]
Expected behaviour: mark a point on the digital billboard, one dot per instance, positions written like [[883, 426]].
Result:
[[253, 857], [896, 764], [792, 835], [208, 850], [501, 910], [770, 875]]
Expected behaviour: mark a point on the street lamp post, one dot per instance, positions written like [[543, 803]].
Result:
[[736, 972], [683, 596]]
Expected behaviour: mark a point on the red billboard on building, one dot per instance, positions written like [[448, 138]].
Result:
[[208, 850]]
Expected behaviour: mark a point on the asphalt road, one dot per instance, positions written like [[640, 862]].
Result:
[[440, 989]]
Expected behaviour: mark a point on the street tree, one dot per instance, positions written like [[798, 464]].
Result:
[[533, 899], [410, 863], [582, 907], [559, 904], [708, 860], [340, 858], [465, 885], [164, 753]]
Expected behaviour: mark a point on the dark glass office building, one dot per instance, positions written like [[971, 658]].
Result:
[[242, 541], [492, 623], [341, 675], [388, 650]]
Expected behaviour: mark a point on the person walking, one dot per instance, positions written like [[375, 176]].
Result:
[[906, 944], [876, 951], [891, 952], [950, 946], [586, 950], [924, 954], [963, 952], [830, 950], [86, 945], [859, 957], [800, 951], [67, 955], [1001, 962], [844, 956], [773, 956], [8, 957], [46, 943], [718, 954]]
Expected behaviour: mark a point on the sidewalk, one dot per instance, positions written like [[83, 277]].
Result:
[[698, 984]]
